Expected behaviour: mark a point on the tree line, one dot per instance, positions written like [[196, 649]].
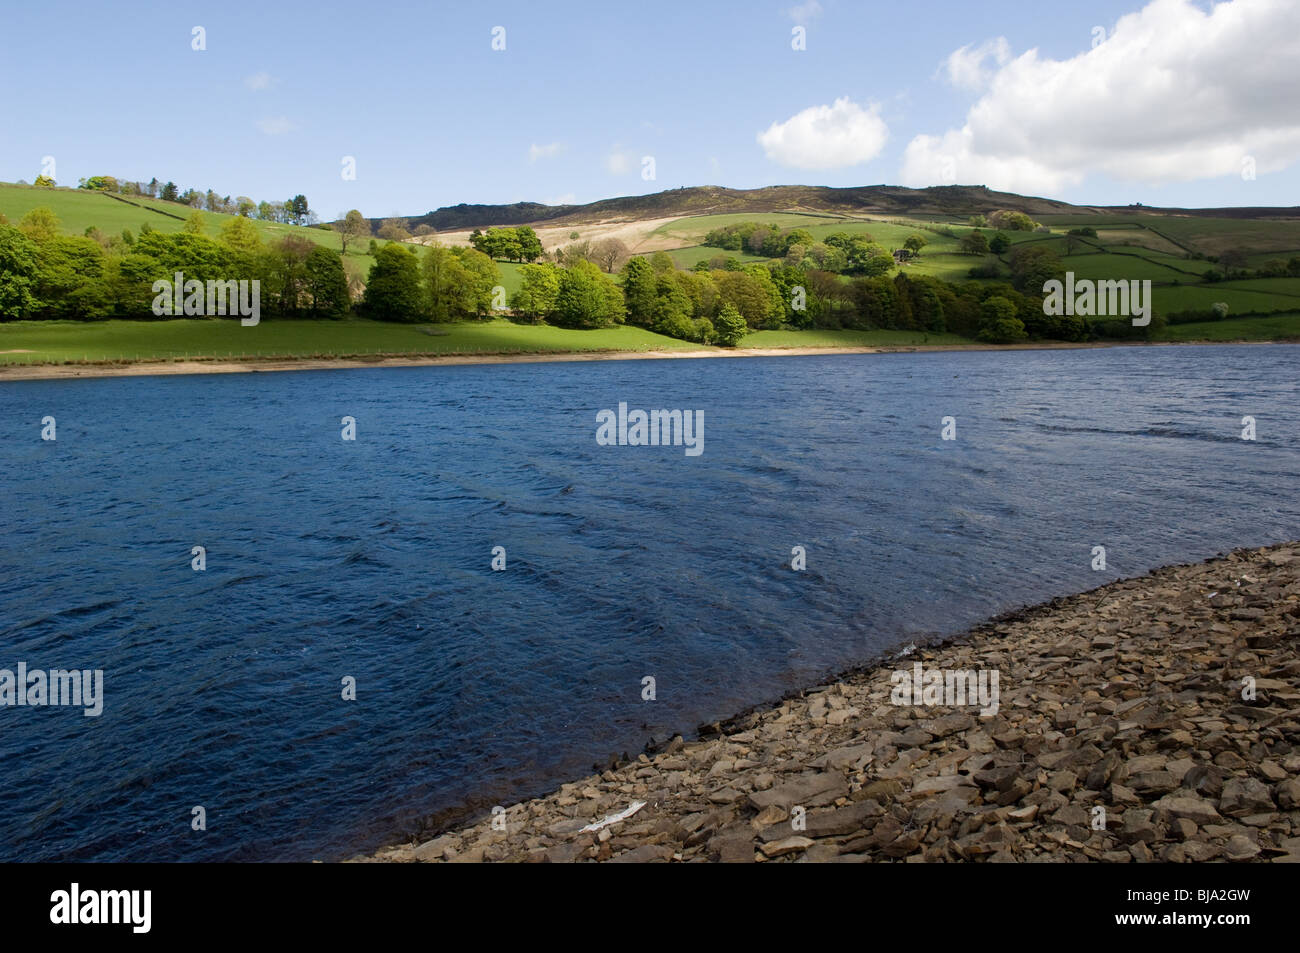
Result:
[[44, 274], [47, 275], [292, 211]]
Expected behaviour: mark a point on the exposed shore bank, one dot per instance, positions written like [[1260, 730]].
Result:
[[1154, 718], [29, 372]]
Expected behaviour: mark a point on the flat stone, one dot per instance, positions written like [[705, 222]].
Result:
[[1240, 798], [435, 849], [789, 845], [853, 758], [733, 848], [645, 854], [1240, 848], [1197, 810], [805, 791], [941, 784]]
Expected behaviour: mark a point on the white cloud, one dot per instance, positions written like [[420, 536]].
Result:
[[259, 81], [548, 151], [1174, 94], [277, 126], [619, 162], [965, 67], [808, 10], [826, 137], [568, 198]]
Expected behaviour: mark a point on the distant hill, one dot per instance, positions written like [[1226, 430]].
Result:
[[951, 201]]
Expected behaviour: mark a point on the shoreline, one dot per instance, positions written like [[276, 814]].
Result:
[[1126, 700], [162, 368]]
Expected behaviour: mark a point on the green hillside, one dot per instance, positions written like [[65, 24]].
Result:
[[80, 209]]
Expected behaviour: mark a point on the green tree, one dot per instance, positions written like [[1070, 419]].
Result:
[[828, 257], [285, 266], [729, 327], [39, 224], [775, 309], [999, 243], [998, 321], [500, 243], [45, 182], [298, 209], [194, 224], [699, 287], [530, 246], [914, 243], [662, 262], [798, 236], [240, 234], [587, 298], [354, 228], [458, 282], [18, 263], [1033, 266], [394, 230], [393, 287], [444, 277], [875, 302], [539, 289], [867, 258], [68, 281], [1012, 221], [327, 283], [639, 283], [748, 295], [672, 309], [483, 275], [974, 243]]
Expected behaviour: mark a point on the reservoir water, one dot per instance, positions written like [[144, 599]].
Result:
[[371, 559]]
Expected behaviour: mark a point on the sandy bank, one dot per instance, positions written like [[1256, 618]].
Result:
[[1155, 718], [17, 372]]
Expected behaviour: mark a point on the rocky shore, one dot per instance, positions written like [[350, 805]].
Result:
[[1153, 719]]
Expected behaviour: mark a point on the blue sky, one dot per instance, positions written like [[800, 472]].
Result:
[[1168, 110]]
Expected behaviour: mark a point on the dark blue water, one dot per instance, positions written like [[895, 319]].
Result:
[[371, 559]]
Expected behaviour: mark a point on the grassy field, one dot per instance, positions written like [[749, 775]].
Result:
[[761, 339], [510, 277], [1207, 235], [948, 266], [1274, 327], [1170, 299], [687, 257], [70, 341], [694, 229], [1099, 266], [79, 209]]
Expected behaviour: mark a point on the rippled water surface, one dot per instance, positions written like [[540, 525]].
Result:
[[371, 559]]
